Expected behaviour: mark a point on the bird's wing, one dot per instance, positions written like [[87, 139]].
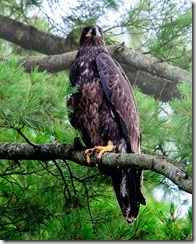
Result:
[[119, 93]]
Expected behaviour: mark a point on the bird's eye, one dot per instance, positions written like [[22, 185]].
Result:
[[86, 30], [100, 30]]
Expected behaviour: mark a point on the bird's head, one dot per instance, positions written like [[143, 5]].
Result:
[[91, 33]]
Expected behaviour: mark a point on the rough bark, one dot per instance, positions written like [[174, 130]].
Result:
[[30, 37], [21, 151], [53, 64]]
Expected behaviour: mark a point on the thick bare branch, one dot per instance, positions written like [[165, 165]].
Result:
[[53, 63], [21, 151], [30, 37]]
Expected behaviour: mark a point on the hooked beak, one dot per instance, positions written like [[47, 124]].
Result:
[[89, 34]]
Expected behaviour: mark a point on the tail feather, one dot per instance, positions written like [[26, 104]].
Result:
[[127, 185]]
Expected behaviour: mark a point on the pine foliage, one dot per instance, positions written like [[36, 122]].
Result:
[[34, 102], [60, 200], [181, 125]]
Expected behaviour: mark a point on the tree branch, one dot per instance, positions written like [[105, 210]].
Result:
[[30, 37], [24, 151], [53, 63]]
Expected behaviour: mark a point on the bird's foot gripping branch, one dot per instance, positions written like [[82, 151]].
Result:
[[99, 150]]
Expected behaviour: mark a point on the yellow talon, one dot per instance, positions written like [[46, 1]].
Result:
[[100, 150], [89, 153], [88, 159], [103, 149]]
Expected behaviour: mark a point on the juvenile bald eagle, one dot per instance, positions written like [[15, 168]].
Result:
[[105, 113]]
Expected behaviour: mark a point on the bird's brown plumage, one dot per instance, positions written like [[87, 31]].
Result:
[[104, 109]]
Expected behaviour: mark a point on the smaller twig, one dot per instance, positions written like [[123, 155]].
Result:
[[71, 177], [36, 146], [64, 180], [89, 209]]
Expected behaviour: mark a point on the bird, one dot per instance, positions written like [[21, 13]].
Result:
[[105, 113]]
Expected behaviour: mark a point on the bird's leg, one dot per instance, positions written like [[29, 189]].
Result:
[[100, 150]]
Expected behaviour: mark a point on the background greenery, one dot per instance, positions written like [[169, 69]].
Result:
[[60, 200]]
